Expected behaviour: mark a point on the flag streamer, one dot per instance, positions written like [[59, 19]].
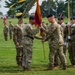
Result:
[[38, 21], [38, 16]]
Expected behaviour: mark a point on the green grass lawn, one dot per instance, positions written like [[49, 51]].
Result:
[[8, 64]]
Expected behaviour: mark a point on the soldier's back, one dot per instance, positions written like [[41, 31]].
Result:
[[5, 30], [17, 33]]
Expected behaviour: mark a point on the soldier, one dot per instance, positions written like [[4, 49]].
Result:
[[5, 32], [55, 40], [29, 35], [62, 27], [61, 22], [71, 41], [10, 29], [17, 38]]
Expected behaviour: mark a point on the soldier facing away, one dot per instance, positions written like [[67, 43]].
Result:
[[29, 34], [55, 41], [5, 32], [10, 29], [17, 38]]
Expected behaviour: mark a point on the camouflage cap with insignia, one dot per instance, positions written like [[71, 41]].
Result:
[[60, 18], [18, 15], [31, 17], [72, 18], [50, 15]]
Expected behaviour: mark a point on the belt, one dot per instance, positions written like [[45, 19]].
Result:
[[29, 37]]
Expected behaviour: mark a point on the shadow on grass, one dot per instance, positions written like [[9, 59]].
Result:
[[10, 69], [16, 69]]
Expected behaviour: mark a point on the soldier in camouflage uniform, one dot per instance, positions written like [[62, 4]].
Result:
[[29, 35], [55, 40], [71, 41], [10, 29], [17, 38], [47, 25], [5, 32], [62, 27]]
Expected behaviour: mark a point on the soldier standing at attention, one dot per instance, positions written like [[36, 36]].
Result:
[[63, 25], [56, 42], [71, 41], [10, 29], [29, 35], [17, 38], [5, 32]]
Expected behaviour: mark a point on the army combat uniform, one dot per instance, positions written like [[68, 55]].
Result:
[[27, 41], [71, 44], [63, 25], [5, 32], [17, 38], [55, 41], [10, 30], [57, 61]]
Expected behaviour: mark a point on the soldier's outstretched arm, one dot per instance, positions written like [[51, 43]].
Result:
[[32, 30], [44, 29], [50, 30]]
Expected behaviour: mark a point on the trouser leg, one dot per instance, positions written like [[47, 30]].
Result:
[[62, 57], [27, 56], [19, 55]]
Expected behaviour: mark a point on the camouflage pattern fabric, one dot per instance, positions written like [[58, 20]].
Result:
[[5, 32], [71, 45], [29, 33], [56, 42], [17, 38], [10, 31]]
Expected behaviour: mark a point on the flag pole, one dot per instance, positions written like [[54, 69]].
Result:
[[44, 50], [69, 10], [68, 17]]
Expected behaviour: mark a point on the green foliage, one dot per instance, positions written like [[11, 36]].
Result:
[[19, 7], [47, 7], [57, 7], [60, 9], [1, 13]]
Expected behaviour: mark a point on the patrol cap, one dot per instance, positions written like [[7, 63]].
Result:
[[31, 18], [42, 22], [60, 18], [50, 15], [72, 18], [46, 23], [18, 15], [9, 21]]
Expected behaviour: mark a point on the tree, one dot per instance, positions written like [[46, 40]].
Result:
[[60, 9], [72, 7], [47, 7], [8, 4], [1, 13], [18, 6]]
